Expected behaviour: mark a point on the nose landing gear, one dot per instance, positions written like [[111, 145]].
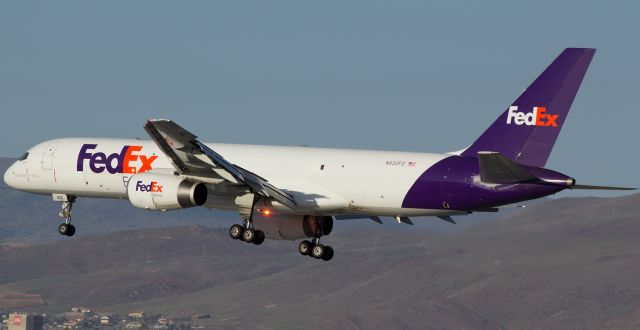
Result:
[[66, 229]]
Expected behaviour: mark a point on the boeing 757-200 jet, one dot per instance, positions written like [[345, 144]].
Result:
[[295, 193]]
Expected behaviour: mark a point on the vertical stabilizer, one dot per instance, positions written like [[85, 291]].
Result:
[[528, 129]]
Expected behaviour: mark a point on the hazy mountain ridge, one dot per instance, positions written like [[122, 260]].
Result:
[[563, 263], [566, 263]]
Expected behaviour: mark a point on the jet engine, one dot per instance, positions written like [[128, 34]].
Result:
[[292, 227], [162, 192]]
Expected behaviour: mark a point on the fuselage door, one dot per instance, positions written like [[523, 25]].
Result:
[[47, 156]]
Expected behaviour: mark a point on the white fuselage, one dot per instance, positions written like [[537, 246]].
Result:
[[323, 181]]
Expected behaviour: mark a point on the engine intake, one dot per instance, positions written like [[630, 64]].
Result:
[[165, 192]]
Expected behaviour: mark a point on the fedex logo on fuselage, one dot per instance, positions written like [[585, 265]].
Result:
[[124, 162], [538, 117], [151, 187]]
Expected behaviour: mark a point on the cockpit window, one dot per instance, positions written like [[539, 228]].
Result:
[[24, 156]]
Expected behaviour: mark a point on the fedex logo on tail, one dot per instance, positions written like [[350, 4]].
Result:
[[129, 160], [538, 117]]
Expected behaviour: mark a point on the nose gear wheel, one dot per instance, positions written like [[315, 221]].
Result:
[[66, 229]]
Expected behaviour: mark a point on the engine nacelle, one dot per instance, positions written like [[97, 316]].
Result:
[[292, 227], [165, 192]]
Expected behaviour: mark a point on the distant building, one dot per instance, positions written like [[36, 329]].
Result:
[[82, 310], [70, 323], [134, 325], [23, 321], [137, 315], [76, 316], [105, 320]]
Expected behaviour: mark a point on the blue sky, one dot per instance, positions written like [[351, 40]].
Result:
[[394, 75]]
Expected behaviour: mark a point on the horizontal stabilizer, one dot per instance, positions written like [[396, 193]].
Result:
[[498, 169], [588, 187]]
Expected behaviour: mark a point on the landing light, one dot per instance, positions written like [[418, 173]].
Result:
[[265, 212]]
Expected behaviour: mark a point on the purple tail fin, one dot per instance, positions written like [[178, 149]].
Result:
[[527, 131]]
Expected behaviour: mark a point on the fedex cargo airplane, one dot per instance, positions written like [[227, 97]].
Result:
[[295, 193]]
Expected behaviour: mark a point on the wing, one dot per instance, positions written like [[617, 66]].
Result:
[[189, 156]]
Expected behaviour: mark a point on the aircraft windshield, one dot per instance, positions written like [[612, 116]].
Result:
[[24, 156]]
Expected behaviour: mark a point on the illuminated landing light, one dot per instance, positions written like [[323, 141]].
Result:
[[265, 212]]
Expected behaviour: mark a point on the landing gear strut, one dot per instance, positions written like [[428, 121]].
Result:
[[246, 232], [66, 229]]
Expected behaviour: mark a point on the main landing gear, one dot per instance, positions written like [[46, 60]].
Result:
[[311, 226], [66, 229], [315, 249], [246, 233]]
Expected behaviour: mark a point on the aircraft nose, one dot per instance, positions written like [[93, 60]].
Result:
[[10, 177]]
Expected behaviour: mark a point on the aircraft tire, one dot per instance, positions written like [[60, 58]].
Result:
[[71, 230], [248, 235], [328, 253], [318, 251], [259, 239], [304, 248], [236, 231], [63, 229]]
